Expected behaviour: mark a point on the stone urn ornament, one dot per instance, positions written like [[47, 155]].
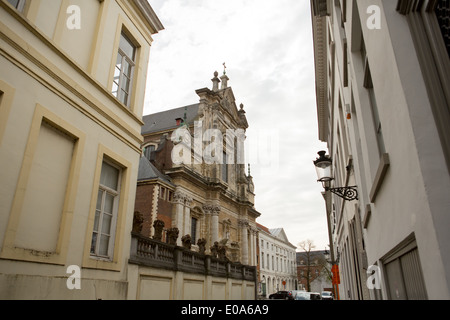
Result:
[[187, 241], [172, 234], [158, 225], [201, 243]]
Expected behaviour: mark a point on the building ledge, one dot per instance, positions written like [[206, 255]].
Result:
[[379, 177]]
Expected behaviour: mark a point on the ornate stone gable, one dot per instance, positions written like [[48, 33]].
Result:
[[218, 109]]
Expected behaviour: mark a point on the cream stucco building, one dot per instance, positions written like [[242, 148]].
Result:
[[72, 86], [277, 261], [382, 84]]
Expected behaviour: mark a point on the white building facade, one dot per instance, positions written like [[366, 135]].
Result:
[[277, 262], [383, 96]]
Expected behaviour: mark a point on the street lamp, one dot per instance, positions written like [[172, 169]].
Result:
[[323, 169]]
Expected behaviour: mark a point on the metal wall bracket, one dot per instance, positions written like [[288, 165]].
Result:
[[348, 193]]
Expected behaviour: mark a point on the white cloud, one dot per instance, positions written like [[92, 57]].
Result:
[[267, 47]]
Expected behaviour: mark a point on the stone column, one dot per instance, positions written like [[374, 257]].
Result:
[[244, 241], [213, 210], [178, 218], [187, 215], [215, 223], [255, 245], [252, 246]]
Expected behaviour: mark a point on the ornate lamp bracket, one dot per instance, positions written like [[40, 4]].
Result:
[[347, 193]]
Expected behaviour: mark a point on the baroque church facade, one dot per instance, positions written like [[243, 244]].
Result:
[[192, 175]]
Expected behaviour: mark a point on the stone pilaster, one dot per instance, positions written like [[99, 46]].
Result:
[[243, 225], [179, 218], [213, 210], [187, 215]]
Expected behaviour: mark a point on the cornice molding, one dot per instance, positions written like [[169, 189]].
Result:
[[320, 57]]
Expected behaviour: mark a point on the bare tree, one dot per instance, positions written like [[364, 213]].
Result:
[[307, 246]]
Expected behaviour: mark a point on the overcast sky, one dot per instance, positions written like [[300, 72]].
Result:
[[267, 48]]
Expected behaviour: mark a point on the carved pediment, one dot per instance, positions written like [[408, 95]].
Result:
[[228, 103]]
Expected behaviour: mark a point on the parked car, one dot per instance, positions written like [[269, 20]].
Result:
[[285, 295], [327, 295], [302, 295], [295, 292]]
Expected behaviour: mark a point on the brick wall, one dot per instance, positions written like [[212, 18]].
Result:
[[143, 204]]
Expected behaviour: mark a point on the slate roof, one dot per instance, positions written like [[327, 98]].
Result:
[[280, 234], [147, 171], [276, 232], [166, 120]]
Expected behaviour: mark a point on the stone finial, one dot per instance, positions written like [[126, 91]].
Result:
[[222, 253], [224, 77], [172, 234], [215, 249], [159, 227], [201, 245], [215, 81], [138, 220], [187, 241]]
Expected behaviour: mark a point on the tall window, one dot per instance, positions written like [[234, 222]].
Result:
[[442, 14], [225, 168], [368, 84], [430, 29], [106, 212], [123, 72], [18, 4], [193, 229]]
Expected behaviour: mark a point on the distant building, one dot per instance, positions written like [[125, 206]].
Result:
[[277, 261], [313, 271], [383, 95]]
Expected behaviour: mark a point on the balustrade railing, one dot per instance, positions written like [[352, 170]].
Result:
[[152, 253]]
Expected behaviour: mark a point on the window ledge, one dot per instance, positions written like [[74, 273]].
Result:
[[367, 215], [379, 177]]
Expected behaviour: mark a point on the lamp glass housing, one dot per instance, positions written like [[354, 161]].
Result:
[[323, 167], [323, 171]]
